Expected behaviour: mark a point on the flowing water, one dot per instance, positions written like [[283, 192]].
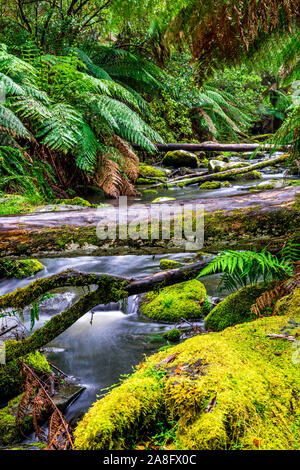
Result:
[[109, 340]]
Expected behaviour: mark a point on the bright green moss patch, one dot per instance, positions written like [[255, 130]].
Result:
[[10, 379], [262, 187], [234, 309], [210, 185], [173, 335], [186, 299], [237, 389], [20, 268], [169, 264], [149, 191], [76, 201], [150, 171], [140, 399]]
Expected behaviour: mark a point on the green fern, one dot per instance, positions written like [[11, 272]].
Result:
[[246, 267]]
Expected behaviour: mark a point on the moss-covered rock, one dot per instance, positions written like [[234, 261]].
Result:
[[162, 199], [149, 191], [290, 304], [211, 185], [173, 335], [10, 379], [235, 308], [19, 268], [146, 171], [251, 175], [186, 299], [169, 264], [262, 187], [76, 201], [180, 158], [237, 389], [9, 429]]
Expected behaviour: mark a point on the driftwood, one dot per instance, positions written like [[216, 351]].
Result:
[[213, 146], [109, 289]]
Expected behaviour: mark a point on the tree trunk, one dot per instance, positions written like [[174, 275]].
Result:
[[212, 146]]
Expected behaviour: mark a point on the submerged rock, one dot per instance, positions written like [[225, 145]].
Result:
[[180, 158], [237, 389], [187, 300]]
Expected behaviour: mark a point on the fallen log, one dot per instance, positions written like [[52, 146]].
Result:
[[199, 177], [223, 175], [109, 289], [213, 146]]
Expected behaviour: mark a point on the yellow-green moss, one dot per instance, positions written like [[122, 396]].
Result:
[[210, 185], [169, 264], [234, 309], [289, 304], [76, 201], [10, 379], [237, 389], [149, 171], [10, 430], [19, 268], [173, 335], [186, 299]]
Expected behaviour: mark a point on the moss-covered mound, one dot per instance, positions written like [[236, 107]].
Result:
[[76, 201], [169, 264], [147, 171], [237, 389], [9, 429], [180, 158], [10, 379], [211, 185], [234, 309], [19, 268], [186, 299]]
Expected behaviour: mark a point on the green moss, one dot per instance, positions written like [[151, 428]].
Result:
[[210, 185], [150, 180], [234, 309], [180, 158], [149, 171], [169, 264], [251, 175], [76, 201], [10, 379], [237, 389], [19, 268], [262, 187], [173, 335], [289, 304], [174, 302], [149, 191]]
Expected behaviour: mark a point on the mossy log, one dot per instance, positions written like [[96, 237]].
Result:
[[239, 221], [109, 289], [237, 389], [233, 171], [213, 146]]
